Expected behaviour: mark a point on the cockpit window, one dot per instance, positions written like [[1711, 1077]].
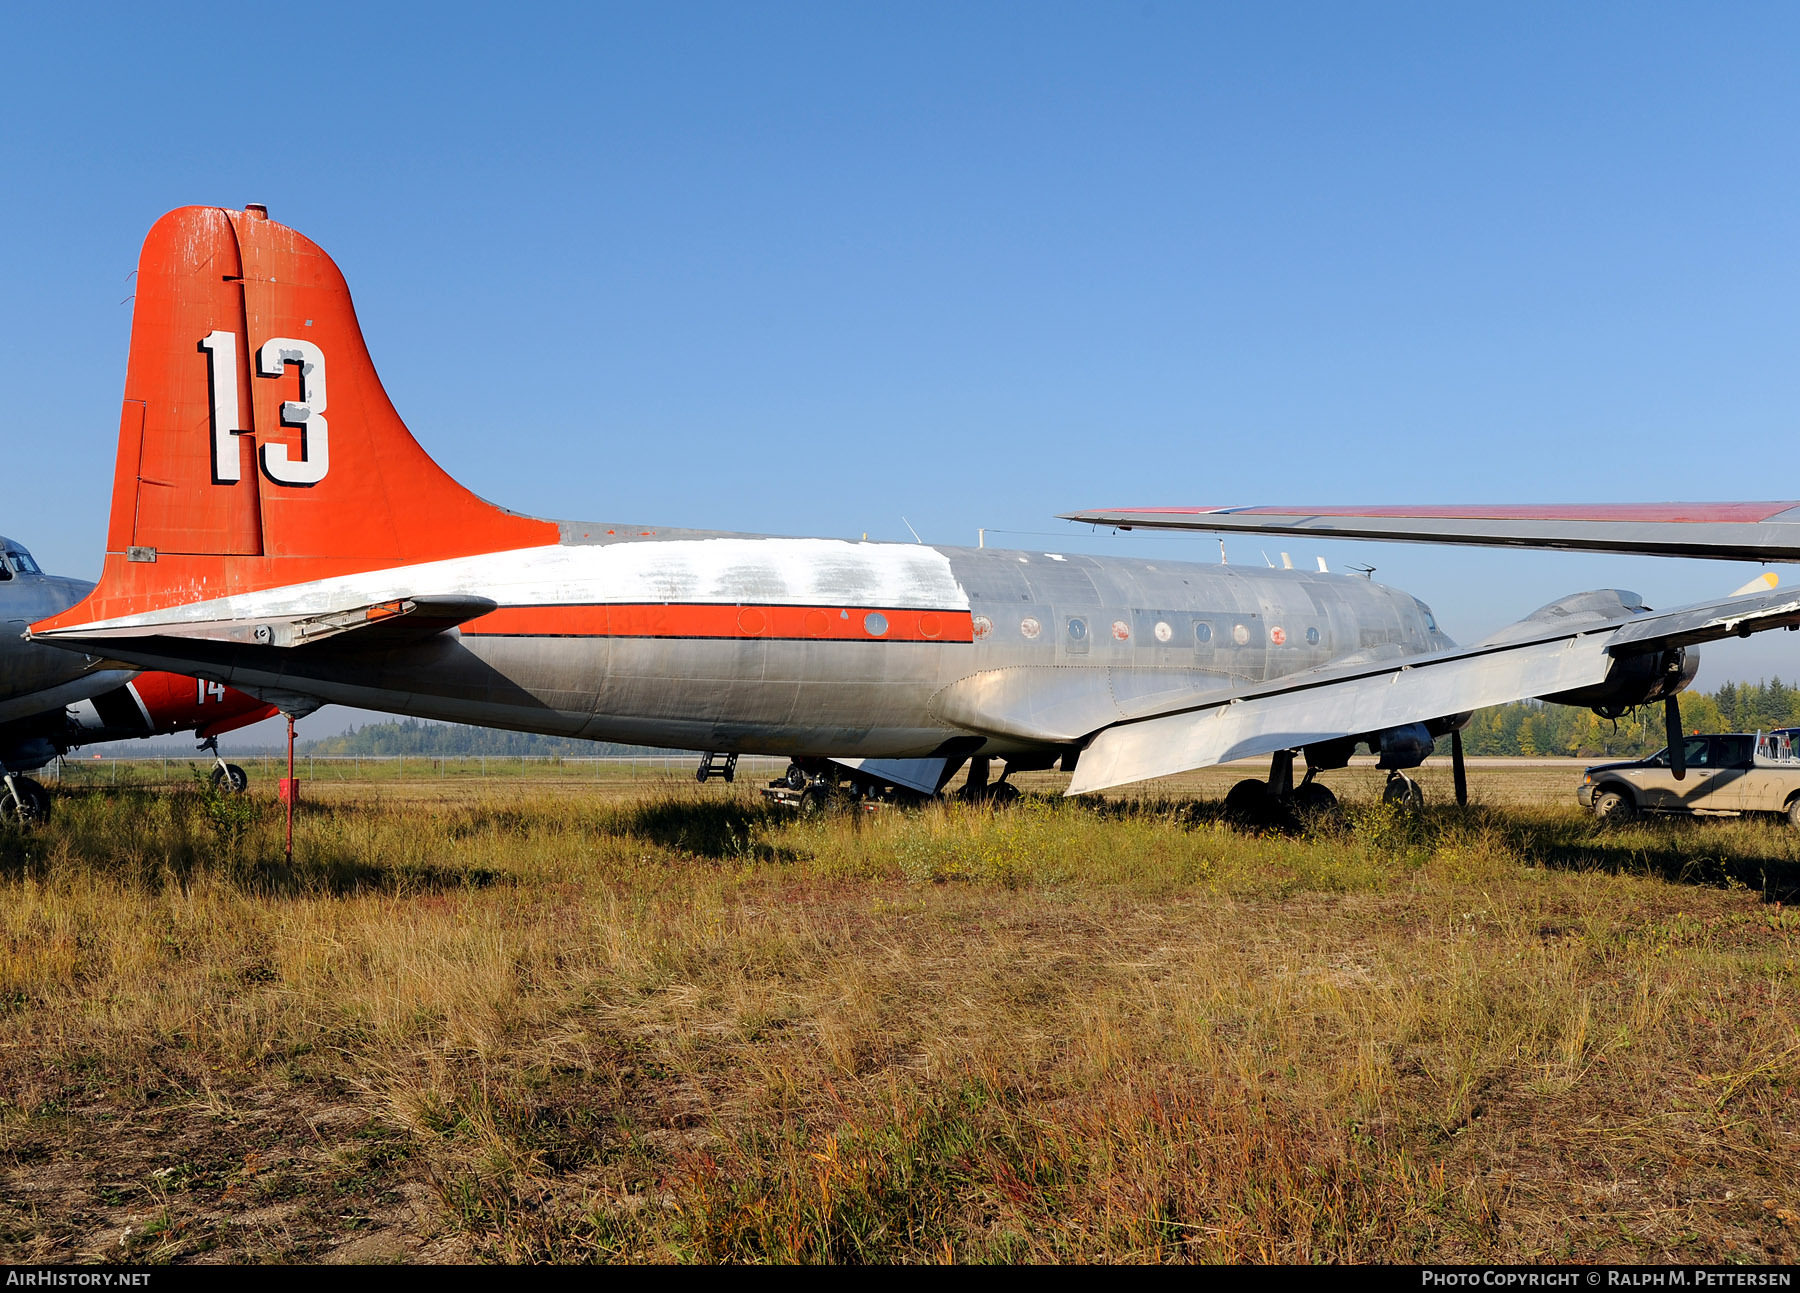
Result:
[[21, 563], [1430, 619]]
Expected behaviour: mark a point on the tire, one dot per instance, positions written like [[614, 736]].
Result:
[[1003, 794], [22, 806], [39, 794], [1312, 798], [230, 777], [817, 800], [1249, 803], [1793, 811], [1613, 805], [795, 777], [1404, 792]]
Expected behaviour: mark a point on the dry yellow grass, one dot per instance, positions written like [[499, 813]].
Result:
[[519, 1022]]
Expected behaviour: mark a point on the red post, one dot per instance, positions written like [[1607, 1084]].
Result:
[[290, 791]]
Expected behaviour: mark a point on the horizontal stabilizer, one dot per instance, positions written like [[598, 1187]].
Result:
[[376, 627]]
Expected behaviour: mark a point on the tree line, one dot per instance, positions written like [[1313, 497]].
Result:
[[410, 736], [1530, 727]]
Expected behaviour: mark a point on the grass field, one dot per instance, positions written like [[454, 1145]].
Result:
[[630, 1018]]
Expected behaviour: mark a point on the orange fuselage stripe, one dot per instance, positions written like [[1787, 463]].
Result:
[[678, 620]]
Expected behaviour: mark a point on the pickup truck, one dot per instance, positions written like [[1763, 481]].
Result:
[[1727, 775]]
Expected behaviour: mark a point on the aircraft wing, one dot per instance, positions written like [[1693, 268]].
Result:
[[1306, 708], [1722, 531]]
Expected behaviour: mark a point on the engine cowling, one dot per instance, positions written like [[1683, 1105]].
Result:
[[1635, 680]]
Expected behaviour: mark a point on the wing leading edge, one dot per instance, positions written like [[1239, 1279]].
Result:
[[1721, 531], [1304, 709]]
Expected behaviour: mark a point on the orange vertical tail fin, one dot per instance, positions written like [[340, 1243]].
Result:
[[257, 447]]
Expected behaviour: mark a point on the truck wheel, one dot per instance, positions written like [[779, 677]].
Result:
[[1793, 811], [1614, 806], [817, 800]]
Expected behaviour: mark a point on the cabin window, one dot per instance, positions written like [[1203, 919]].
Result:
[[1202, 633]]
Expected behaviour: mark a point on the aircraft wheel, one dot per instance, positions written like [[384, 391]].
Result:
[[28, 804], [1003, 794], [1313, 798], [1615, 806], [231, 777], [1249, 803], [1404, 791]]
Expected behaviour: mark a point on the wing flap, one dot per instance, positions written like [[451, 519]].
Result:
[[1426, 689], [1304, 708]]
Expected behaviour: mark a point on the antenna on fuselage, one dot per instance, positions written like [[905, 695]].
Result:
[[1322, 569], [1266, 561], [1222, 560], [915, 533], [1367, 572]]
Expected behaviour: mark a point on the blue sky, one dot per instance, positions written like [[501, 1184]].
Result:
[[807, 269]]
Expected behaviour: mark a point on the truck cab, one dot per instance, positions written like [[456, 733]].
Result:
[[1727, 774]]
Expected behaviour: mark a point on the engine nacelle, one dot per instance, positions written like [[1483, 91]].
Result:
[[1403, 747], [1635, 680]]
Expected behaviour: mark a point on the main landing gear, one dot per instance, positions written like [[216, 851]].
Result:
[[23, 801], [224, 776], [1278, 801], [977, 789]]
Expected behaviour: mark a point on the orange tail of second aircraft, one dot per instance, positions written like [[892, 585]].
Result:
[[257, 447]]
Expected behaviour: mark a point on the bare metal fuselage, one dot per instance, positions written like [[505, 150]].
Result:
[[819, 647]]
